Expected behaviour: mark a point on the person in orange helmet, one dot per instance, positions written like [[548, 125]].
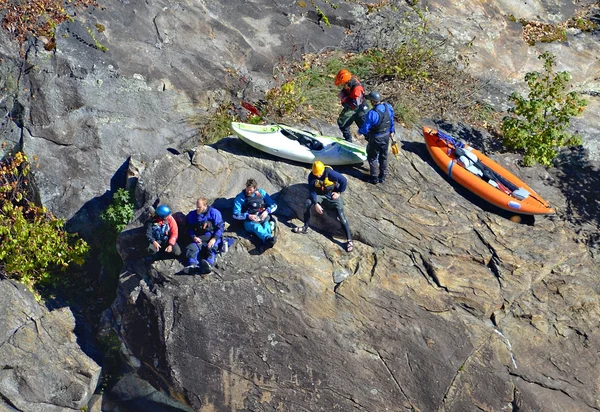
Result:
[[352, 98]]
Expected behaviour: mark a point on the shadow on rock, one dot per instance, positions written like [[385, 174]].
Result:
[[481, 141], [326, 224], [579, 180]]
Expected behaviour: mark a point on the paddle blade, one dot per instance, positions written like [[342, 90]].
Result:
[[251, 109]]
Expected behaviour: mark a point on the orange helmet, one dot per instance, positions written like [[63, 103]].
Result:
[[342, 77]]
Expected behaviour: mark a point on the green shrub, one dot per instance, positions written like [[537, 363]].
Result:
[[118, 214], [36, 248], [213, 126], [538, 124]]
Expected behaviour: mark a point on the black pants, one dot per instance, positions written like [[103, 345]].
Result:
[[377, 156], [327, 203], [161, 254]]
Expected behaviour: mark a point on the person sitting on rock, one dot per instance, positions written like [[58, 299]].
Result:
[[205, 227], [326, 186], [255, 207], [162, 233]]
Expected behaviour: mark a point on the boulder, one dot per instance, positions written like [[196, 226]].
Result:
[[42, 367]]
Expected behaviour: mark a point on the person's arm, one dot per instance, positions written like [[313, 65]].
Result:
[[270, 203], [311, 188], [340, 179], [149, 234], [356, 96], [173, 230], [191, 223], [218, 222], [370, 119], [237, 207], [392, 126]]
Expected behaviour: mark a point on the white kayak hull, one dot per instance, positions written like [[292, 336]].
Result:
[[299, 145]]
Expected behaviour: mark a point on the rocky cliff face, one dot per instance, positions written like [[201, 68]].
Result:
[[42, 366], [445, 303]]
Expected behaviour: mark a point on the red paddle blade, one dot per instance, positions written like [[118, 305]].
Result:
[[251, 109]]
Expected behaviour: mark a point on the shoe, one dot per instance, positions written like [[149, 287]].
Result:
[[270, 242], [373, 180], [382, 180], [349, 246], [273, 224], [191, 269], [300, 229], [205, 267]]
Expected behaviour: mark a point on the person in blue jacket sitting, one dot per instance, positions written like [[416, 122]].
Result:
[[378, 129], [255, 207], [205, 227]]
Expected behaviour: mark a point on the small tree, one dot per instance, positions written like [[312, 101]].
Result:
[[34, 246], [538, 124]]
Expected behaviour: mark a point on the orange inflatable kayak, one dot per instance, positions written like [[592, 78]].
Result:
[[482, 176]]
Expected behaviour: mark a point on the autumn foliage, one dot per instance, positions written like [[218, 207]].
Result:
[[39, 18], [35, 247]]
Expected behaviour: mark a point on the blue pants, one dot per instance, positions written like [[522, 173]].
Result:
[[260, 229], [193, 250]]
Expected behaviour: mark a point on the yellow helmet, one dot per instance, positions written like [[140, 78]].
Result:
[[318, 168]]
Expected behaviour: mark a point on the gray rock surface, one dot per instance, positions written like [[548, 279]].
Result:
[[435, 277], [82, 111], [449, 305], [42, 367]]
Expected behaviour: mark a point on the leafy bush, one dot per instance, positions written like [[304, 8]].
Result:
[[215, 125], [538, 124], [119, 212], [35, 246]]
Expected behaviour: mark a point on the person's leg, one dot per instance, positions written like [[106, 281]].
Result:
[[383, 161], [176, 250], [191, 253], [339, 206], [372, 154], [303, 229], [344, 121], [263, 231]]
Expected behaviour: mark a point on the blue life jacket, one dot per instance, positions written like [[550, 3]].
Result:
[[160, 232]]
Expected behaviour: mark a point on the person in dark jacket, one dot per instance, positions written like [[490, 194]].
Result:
[[205, 227], [255, 207], [378, 129], [352, 97], [326, 186], [162, 234]]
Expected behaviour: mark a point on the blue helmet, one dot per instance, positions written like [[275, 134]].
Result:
[[163, 211]]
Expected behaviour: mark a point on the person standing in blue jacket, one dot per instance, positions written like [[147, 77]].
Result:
[[205, 227], [255, 207], [378, 129], [326, 186]]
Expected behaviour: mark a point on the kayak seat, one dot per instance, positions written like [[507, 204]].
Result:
[[304, 140], [469, 161]]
